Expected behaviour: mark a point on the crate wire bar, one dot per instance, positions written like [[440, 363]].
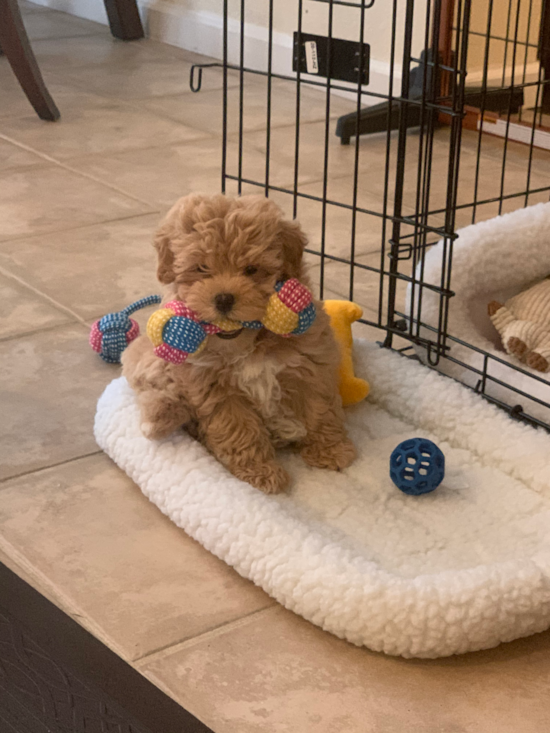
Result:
[[419, 119]]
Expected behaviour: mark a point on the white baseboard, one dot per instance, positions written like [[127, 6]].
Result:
[[88, 9], [202, 32]]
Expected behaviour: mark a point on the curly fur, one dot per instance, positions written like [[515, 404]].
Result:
[[245, 396]]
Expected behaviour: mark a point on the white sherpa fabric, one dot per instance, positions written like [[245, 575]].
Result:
[[492, 260], [460, 569]]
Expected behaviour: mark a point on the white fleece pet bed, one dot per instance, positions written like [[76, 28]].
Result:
[[460, 569], [492, 260]]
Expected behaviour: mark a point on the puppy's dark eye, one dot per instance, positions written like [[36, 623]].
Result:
[[250, 270], [202, 269]]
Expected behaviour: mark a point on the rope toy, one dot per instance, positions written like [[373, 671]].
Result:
[[177, 332], [110, 335]]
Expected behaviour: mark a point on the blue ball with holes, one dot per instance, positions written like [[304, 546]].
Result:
[[417, 466]]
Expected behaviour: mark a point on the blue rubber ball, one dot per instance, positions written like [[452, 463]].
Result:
[[417, 466]]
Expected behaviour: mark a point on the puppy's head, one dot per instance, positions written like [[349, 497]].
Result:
[[223, 255]]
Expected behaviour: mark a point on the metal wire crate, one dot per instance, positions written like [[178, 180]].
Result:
[[421, 167]]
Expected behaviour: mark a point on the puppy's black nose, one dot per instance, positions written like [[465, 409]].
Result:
[[224, 302]]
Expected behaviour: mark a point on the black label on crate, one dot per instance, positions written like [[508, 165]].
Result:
[[311, 56]]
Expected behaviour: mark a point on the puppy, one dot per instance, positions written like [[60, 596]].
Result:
[[248, 392]]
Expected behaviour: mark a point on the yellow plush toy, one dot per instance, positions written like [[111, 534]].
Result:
[[342, 314]]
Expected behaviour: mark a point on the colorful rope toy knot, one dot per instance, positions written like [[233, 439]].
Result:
[[290, 311], [110, 335], [177, 332]]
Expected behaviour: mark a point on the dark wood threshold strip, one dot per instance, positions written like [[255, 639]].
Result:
[[55, 677]]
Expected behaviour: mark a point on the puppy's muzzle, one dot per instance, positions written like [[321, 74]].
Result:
[[224, 302]]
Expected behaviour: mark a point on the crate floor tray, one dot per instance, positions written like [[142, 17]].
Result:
[[463, 568]]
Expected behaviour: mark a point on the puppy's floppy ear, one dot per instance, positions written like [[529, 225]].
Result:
[[165, 256], [293, 241]]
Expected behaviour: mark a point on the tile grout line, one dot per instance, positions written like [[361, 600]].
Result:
[[145, 148], [69, 168], [212, 633], [38, 292], [27, 334], [131, 103], [209, 138], [48, 467], [76, 227], [61, 38], [71, 607], [135, 104]]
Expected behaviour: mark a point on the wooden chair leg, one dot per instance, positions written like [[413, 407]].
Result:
[[124, 19], [17, 49]]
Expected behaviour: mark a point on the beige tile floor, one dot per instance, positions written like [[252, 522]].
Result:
[[79, 200]]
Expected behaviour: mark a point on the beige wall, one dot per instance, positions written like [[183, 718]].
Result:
[[315, 19], [498, 27], [378, 27]]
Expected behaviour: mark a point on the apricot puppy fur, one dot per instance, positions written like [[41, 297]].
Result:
[[245, 395]]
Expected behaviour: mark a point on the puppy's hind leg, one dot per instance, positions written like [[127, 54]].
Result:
[[236, 435]]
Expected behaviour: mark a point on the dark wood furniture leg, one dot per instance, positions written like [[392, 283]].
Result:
[[17, 49], [544, 54], [55, 677], [124, 19]]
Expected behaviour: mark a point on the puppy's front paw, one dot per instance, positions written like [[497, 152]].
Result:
[[269, 477], [160, 417], [334, 457], [156, 431]]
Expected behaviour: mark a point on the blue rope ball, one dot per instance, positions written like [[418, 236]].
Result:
[[417, 466], [110, 335]]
